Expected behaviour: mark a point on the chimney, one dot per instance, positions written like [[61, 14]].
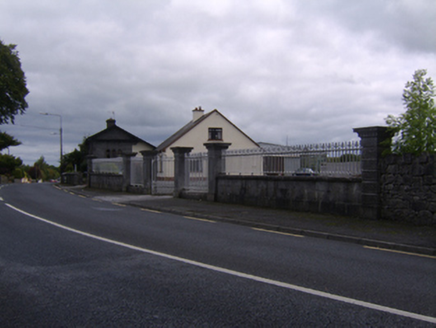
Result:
[[197, 113], [110, 123]]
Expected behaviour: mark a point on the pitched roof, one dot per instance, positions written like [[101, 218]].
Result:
[[188, 127], [116, 128]]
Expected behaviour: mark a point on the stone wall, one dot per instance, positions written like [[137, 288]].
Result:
[[72, 178], [112, 182], [409, 188], [309, 194]]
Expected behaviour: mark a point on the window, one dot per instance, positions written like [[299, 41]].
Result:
[[108, 153], [215, 134]]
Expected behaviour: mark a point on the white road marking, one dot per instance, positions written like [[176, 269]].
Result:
[[198, 219], [305, 290], [1, 199], [118, 204], [279, 232], [399, 252], [148, 210]]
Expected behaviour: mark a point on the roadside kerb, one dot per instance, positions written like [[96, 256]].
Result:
[[304, 232]]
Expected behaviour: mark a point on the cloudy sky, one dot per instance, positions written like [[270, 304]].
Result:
[[296, 71]]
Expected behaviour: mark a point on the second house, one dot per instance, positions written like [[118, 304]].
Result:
[[212, 126]]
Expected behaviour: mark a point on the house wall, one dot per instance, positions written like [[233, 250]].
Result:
[[98, 148], [309, 194], [408, 188], [141, 146], [200, 133]]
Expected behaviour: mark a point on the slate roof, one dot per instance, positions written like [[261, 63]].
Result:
[[99, 136]]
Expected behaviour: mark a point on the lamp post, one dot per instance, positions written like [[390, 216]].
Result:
[[60, 134]]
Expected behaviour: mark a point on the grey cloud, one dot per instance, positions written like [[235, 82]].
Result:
[[308, 71]]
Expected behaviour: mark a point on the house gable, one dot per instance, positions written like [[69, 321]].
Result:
[[114, 141], [196, 133]]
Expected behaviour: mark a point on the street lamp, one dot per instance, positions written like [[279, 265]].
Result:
[[60, 134]]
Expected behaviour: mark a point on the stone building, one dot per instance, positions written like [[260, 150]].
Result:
[[115, 141]]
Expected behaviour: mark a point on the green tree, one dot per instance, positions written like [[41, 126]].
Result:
[[13, 89], [42, 170], [415, 130], [7, 140], [8, 164], [76, 159]]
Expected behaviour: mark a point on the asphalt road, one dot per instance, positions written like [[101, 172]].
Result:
[[71, 261]]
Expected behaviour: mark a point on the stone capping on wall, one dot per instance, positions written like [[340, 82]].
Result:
[[408, 188]]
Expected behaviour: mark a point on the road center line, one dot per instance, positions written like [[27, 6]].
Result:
[[305, 290]]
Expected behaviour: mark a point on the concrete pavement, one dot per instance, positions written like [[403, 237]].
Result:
[[382, 234]]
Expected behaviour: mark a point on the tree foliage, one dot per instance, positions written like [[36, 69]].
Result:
[[7, 140], [8, 164], [41, 170], [76, 160], [13, 89], [415, 130]]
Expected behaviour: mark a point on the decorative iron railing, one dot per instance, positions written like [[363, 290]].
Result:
[[197, 171], [339, 159]]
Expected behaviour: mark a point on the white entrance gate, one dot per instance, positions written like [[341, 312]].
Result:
[[163, 175]]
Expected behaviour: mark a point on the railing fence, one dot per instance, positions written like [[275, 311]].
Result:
[[136, 171], [339, 159], [196, 170], [162, 175]]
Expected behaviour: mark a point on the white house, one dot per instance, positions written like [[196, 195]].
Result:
[[207, 127]]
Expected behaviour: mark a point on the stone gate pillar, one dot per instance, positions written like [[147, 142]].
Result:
[[147, 169], [126, 170], [215, 165], [372, 149], [180, 173]]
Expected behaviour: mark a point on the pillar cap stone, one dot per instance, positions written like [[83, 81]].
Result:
[[217, 144]]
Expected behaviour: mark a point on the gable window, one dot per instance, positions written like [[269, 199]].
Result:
[[215, 134]]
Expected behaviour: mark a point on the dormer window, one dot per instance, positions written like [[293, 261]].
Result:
[[215, 134]]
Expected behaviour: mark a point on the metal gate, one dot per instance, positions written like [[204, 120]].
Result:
[[196, 170], [162, 175], [136, 171]]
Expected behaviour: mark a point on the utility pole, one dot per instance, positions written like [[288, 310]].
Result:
[[60, 136]]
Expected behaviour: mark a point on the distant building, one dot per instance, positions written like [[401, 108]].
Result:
[[212, 126], [115, 141]]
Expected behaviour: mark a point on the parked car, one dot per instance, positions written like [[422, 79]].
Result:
[[305, 171]]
